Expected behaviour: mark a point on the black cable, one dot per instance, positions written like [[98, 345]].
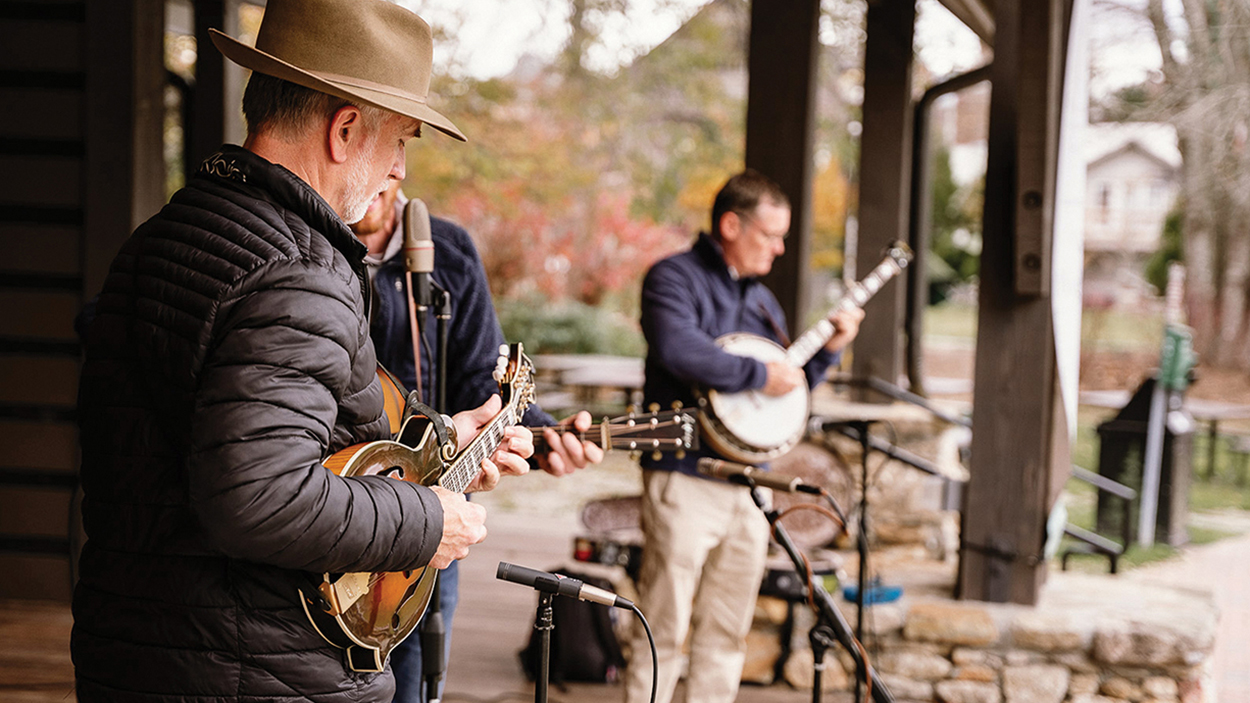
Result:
[[655, 659]]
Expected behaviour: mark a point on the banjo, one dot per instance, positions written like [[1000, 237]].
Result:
[[751, 427]]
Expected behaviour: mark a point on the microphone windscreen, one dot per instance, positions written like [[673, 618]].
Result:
[[418, 246]]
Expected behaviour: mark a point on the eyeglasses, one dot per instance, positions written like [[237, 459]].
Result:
[[771, 237]]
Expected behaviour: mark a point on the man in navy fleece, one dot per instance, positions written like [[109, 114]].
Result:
[[474, 337], [705, 540]]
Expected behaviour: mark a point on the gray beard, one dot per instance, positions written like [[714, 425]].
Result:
[[359, 192]]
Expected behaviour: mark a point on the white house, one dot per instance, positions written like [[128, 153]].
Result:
[[1132, 179]]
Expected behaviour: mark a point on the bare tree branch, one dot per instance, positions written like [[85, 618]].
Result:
[[1163, 34]]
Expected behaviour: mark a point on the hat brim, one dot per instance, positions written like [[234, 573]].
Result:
[[251, 58]]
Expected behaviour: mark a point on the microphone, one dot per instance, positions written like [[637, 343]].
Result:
[[746, 475], [559, 585], [418, 250]]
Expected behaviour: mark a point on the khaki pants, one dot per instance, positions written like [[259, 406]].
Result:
[[703, 559]]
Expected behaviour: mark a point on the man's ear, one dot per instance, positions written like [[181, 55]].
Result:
[[345, 132], [730, 226]]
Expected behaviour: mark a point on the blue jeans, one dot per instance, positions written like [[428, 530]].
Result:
[[406, 658]]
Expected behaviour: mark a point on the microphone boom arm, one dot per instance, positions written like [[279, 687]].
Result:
[[826, 608]]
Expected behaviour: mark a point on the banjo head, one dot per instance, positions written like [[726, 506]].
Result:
[[753, 346], [749, 426]]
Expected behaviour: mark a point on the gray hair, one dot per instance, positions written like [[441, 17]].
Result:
[[288, 109]]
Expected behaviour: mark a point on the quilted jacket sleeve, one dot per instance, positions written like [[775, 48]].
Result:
[[289, 367]]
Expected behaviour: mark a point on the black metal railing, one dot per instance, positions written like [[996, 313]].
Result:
[[1091, 542]]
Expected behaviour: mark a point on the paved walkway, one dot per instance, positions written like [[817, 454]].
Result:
[[1224, 567]]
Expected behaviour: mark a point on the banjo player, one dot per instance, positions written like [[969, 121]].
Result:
[[705, 541]]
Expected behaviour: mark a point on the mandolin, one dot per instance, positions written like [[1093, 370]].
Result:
[[751, 427], [655, 431], [369, 614]]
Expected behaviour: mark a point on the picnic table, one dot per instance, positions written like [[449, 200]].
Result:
[[1206, 412], [591, 380]]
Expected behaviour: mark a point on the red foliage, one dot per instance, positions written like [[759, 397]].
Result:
[[587, 254]]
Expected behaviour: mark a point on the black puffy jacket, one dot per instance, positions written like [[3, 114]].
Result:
[[228, 356]]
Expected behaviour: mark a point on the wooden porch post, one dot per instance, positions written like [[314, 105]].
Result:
[[215, 114], [885, 180], [781, 109], [1017, 447]]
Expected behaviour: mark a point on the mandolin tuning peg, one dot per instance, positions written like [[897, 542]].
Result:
[[680, 454], [635, 455], [653, 408], [631, 409], [655, 455], [677, 405]]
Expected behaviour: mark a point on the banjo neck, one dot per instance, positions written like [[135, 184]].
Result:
[[816, 336]]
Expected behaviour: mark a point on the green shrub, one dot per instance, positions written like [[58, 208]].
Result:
[[569, 328]]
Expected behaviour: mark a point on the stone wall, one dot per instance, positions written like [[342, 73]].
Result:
[[1092, 639]]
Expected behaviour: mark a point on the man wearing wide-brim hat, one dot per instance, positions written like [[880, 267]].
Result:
[[229, 356]]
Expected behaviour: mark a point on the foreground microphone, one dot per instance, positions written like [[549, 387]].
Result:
[[418, 250], [559, 585], [753, 476]]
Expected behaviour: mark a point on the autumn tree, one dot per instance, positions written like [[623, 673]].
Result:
[[576, 179]]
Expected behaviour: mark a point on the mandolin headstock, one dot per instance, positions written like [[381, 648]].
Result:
[[514, 372]]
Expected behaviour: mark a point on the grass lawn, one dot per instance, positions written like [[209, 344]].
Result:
[[1113, 330], [1109, 329]]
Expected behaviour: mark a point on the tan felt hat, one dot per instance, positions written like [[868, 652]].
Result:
[[361, 50]]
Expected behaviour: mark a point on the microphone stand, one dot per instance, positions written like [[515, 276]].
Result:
[[442, 303], [433, 628], [543, 622], [830, 621], [858, 429]]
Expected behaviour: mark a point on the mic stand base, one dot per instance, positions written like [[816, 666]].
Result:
[[828, 614]]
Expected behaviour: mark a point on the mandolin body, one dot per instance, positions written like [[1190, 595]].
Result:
[[369, 614]]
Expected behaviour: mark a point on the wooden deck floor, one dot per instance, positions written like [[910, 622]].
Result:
[[34, 652]]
